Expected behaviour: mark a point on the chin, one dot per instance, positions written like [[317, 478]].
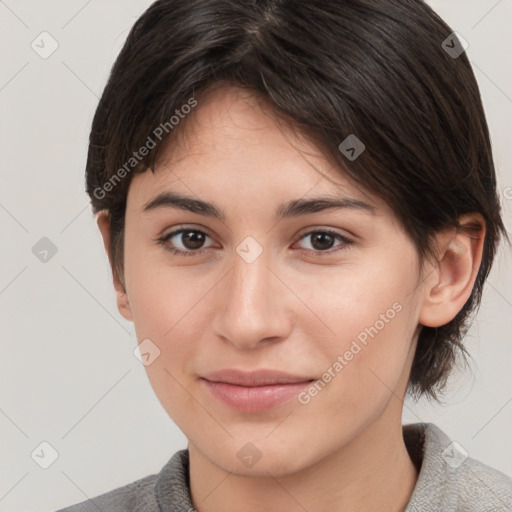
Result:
[[258, 458]]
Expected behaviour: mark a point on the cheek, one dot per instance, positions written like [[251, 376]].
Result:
[[166, 309], [366, 316], [162, 307], [157, 299], [168, 306], [343, 302]]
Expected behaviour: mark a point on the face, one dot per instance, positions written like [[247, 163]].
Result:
[[328, 295]]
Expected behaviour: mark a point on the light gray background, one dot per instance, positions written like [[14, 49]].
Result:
[[68, 373]]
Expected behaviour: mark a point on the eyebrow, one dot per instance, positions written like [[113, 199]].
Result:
[[292, 208]]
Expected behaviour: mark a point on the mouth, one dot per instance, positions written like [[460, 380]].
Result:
[[264, 377], [254, 391]]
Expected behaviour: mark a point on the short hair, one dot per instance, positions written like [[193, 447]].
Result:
[[377, 69]]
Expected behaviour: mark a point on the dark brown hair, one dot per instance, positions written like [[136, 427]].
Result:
[[378, 69]]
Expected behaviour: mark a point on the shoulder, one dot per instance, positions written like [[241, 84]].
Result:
[[169, 490], [137, 496], [483, 488], [450, 480]]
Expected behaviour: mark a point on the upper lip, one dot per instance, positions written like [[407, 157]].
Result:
[[254, 378]]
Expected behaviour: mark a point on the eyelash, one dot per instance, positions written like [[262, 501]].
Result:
[[346, 242]]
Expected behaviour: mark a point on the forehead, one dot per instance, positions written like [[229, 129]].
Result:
[[234, 143]]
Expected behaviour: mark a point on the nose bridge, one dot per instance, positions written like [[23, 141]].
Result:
[[252, 309], [250, 277]]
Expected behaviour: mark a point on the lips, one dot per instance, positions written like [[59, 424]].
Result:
[[255, 378], [255, 391]]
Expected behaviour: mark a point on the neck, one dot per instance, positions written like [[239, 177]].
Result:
[[373, 472]]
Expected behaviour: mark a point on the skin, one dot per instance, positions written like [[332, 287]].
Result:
[[293, 309]]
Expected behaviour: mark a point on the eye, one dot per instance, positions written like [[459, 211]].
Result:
[[322, 240], [190, 239]]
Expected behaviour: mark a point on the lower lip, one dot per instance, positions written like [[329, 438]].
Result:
[[256, 398]]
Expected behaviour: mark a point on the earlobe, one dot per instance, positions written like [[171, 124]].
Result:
[[450, 283], [123, 304]]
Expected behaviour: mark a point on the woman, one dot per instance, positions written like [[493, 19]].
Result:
[[298, 201]]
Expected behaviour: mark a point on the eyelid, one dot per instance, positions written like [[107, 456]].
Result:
[[191, 227], [324, 229]]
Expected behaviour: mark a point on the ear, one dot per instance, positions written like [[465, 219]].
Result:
[[123, 305], [449, 284]]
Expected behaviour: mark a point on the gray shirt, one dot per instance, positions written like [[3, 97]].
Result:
[[448, 481]]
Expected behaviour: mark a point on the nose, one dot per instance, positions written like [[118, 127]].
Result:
[[254, 304]]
